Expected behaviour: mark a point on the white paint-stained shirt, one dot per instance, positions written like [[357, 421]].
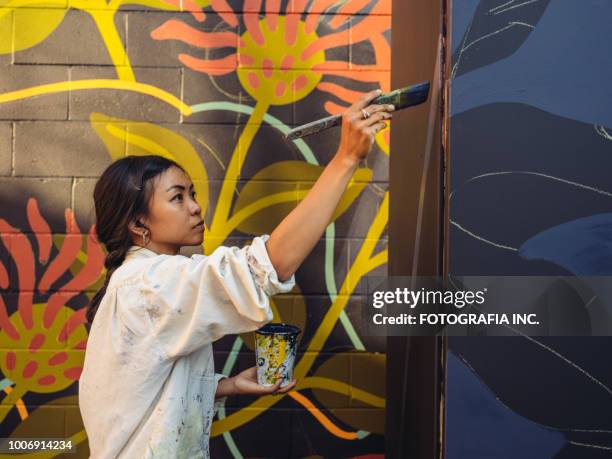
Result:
[[148, 384]]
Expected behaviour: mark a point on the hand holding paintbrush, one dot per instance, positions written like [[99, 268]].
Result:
[[400, 98], [360, 124]]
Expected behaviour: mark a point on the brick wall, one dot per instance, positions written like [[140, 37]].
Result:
[[209, 83]]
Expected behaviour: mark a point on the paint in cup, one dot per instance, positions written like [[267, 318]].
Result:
[[275, 351]]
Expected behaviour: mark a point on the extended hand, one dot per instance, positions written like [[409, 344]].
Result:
[[360, 124], [246, 383]]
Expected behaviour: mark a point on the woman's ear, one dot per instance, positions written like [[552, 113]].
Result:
[[137, 228], [134, 229]]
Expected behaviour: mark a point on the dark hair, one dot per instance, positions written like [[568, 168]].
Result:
[[121, 195]]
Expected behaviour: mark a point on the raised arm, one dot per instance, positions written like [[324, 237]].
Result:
[[294, 238]]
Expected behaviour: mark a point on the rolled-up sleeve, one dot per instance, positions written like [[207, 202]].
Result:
[[219, 402], [193, 301], [263, 271]]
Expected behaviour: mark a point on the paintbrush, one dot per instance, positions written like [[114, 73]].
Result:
[[400, 98]]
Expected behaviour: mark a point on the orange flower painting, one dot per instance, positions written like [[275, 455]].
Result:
[[280, 56], [38, 341]]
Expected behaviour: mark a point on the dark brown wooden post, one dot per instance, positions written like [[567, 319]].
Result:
[[417, 223]]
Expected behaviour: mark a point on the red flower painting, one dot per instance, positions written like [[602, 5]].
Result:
[[41, 340]]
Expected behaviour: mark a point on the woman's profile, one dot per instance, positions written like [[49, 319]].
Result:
[[149, 387]]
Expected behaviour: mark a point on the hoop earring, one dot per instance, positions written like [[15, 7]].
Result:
[[144, 240]]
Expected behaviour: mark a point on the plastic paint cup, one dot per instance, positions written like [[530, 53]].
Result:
[[275, 351]]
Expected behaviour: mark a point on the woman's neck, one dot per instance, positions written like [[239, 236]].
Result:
[[161, 248]]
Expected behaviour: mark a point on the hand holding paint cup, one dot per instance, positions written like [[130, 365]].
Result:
[[275, 351]]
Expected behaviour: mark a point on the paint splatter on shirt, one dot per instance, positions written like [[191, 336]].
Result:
[[148, 384]]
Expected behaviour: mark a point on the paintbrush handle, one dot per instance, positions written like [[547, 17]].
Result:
[[400, 98], [314, 127]]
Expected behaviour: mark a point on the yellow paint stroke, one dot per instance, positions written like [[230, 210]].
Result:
[[243, 214], [319, 382], [6, 8], [81, 256], [275, 311], [358, 269], [324, 420], [105, 21], [256, 206], [218, 226], [103, 15], [378, 260], [13, 396], [79, 85], [21, 408], [141, 142], [274, 46]]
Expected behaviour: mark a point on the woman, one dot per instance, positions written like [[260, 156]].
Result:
[[148, 387]]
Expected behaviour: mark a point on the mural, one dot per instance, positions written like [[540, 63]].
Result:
[[214, 85], [530, 195]]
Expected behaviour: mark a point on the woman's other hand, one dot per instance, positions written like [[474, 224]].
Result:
[[360, 124], [246, 383]]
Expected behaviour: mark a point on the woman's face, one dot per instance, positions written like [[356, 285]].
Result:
[[174, 218]]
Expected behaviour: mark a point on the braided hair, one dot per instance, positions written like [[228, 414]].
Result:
[[121, 196]]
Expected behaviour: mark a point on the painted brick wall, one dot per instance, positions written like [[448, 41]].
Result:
[[211, 83]]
